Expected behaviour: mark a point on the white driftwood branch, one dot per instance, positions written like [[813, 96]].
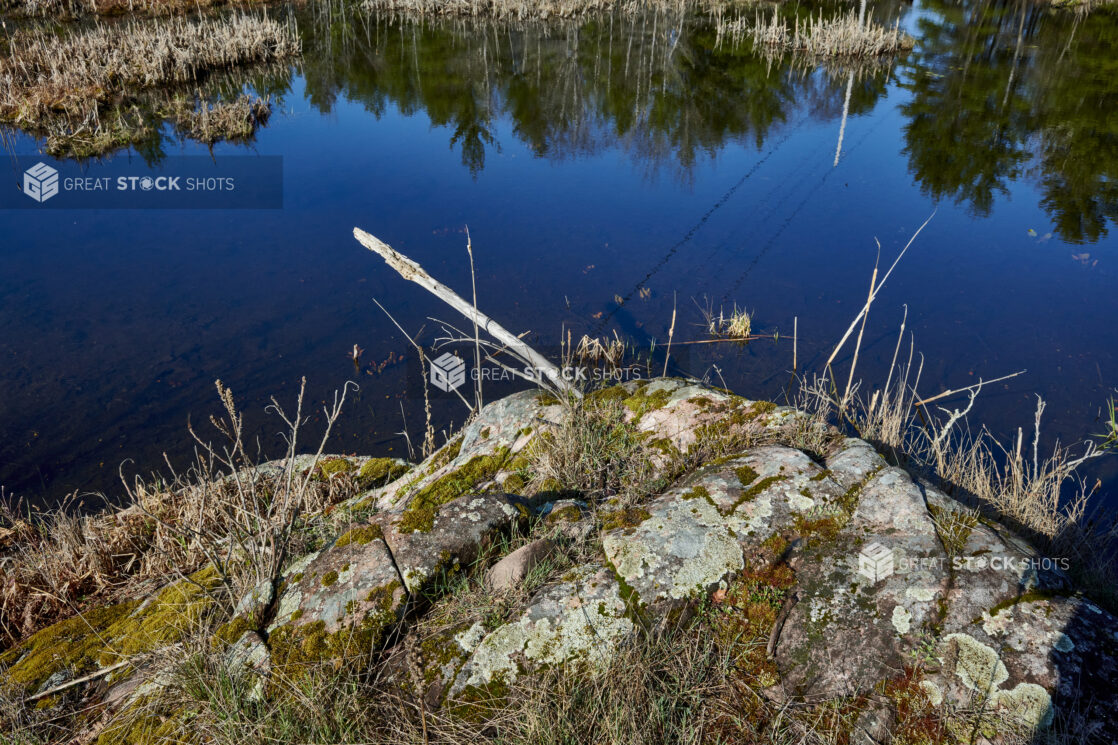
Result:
[[413, 272]]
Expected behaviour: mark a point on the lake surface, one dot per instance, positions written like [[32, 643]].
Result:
[[608, 170]]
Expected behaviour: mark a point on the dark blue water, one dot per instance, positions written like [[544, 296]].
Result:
[[589, 161]]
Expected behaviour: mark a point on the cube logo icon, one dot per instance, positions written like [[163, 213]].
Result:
[[875, 562], [40, 182], [448, 372]]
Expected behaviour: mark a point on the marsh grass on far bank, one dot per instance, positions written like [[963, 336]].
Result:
[[91, 89], [841, 35], [77, 9]]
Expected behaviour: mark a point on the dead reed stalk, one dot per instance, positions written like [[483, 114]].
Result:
[[843, 35]]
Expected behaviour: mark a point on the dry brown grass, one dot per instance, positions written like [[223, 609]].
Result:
[[527, 10], [74, 9], [601, 351], [843, 35], [235, 120], [594, 453], [224, 511], [86, 86], [1036, 490]]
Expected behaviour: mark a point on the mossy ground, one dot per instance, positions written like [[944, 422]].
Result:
[[105, 636]]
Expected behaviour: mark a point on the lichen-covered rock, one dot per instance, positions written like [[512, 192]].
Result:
[[685, 542], [340, 604], [367, 473], [679, 551], [867, 595], [1030, 655], [853, 462], [483, 457], [580, 620], [568, 519], [678, 417], [1014, 640], [249, 656], [862, 575], [682, 417], [458, 532]]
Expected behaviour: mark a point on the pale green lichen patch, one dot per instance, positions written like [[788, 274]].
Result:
[[680, 551], [997, 623], [1028, 704], [978, 666], [920, 594], [579, 621], [933, 692], [902, 620]]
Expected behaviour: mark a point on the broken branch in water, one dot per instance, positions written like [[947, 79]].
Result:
[[413, 272], [968, 388]]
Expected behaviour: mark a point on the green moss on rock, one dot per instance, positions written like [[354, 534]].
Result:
[[361, 536], [380, 471], [746, 475], [73, 645], [331, 467], [229, 632], [104, 636], [298, 648], [568, 513], [624, 518], [445, 454], [424, 505]]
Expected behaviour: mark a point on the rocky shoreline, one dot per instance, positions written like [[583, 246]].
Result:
[[854, 582]]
